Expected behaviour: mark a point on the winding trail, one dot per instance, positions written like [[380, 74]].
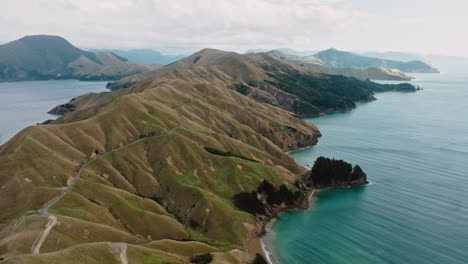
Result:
[[53, 219], [38, 243], [123, 253]]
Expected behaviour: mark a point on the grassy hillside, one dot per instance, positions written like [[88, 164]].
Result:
[[161, 162], [277, 82], [44, 57], [167, 198]]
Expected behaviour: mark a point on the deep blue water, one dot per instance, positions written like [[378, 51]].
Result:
[[414, 149], [23, 104]]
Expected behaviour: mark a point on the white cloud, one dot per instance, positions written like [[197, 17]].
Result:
[[181, 25], [195, 24]]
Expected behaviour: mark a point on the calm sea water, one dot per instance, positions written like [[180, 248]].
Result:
[[414, 148], [23, 104]]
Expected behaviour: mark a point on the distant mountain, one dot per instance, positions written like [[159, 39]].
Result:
[[341, 59], [43, 57], [317, 65], [394, 55], [250, 51], [146, 56], [284, 50], [302, 53], [448, 64]]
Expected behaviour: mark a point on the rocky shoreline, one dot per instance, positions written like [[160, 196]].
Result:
[[257, 246]]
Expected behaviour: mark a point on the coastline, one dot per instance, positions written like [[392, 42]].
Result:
[[257, 244], [270, 259]]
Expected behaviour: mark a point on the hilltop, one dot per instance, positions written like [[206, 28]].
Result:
[[43, 57], [267, 79], [157, 171]]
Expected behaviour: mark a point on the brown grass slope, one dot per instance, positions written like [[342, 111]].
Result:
[[161, 189], [271, 80]]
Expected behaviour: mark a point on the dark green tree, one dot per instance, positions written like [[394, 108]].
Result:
[[259, 260]]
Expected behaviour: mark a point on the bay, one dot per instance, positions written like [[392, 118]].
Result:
[[23, 104], [414, 148]]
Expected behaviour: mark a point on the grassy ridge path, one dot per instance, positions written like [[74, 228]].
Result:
[[53, 219]]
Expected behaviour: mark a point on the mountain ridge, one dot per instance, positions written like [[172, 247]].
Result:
[[277, 82], [341, 59], [316, 64]]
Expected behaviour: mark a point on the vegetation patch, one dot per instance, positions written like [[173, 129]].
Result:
[[241, 88], [259, 259], [201, 259], [266, 195], [328, 93], [227, 154], [196, 59], [335, 173]]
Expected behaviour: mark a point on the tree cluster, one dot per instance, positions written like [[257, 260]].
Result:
[[266, 195], [332, 173], [259, 259]]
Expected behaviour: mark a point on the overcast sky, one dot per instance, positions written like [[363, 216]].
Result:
[[179, 26]]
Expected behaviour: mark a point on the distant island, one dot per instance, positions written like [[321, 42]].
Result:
[[44, 57], [316, 64], [341, 59]]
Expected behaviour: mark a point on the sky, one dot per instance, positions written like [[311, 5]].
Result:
[[184, 26]]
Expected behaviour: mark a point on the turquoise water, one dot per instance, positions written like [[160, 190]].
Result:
[[414, 148], [23, 104]]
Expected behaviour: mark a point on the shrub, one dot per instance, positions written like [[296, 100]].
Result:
[[247, 201], [201, 259], [259, 259], [227, 154]]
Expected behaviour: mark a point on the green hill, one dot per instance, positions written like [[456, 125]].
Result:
[[43, 57], [270, 80]]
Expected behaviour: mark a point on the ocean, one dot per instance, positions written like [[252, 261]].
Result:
[[23, 104], [414, 149]]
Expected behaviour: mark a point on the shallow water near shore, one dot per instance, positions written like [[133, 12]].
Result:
[[414, 148], [24, 104]]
